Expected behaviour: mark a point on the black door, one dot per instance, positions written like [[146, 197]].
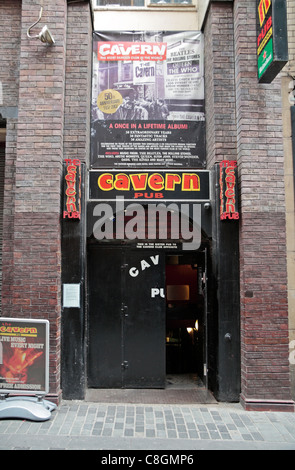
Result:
[[104, 322], [144, 324], [126, 346]]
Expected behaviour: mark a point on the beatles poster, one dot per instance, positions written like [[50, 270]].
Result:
[[148, 100], [24, 356]]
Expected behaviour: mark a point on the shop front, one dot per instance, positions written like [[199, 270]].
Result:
[[152, 325], [155, 284], [149, 266], [158, 309], [147, 302]]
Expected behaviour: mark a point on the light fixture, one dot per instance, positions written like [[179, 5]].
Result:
[[45, 35]]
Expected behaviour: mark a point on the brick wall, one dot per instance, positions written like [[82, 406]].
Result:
[[78, 82], [220, 84], [244, 122], [10, 26], [287, 74], [50, 88], [264, 309], [31, 285], [9, 51]]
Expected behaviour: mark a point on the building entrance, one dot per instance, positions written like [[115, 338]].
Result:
[[186, 326], [126, 328], [147, 317]]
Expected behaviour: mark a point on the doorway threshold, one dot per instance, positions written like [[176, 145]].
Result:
[[179, 390]]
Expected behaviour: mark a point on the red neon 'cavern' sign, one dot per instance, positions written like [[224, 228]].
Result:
[[72, 189], [228, 190]]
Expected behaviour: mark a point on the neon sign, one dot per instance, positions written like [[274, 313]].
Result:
[[72, 190], [228, 190], [263, 8], [272, 43]]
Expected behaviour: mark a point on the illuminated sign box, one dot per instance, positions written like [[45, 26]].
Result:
[[272, 41], [228, 183], [149, 185], [72, 190]]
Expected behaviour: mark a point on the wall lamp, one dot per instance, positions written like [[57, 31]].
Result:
[[45, 35]]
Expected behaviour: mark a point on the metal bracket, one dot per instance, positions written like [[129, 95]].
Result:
[[45, 35], [124, 310]]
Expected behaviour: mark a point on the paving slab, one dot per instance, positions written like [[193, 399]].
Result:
[[80, 425]]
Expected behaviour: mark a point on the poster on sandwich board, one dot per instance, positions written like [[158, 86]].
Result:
[[24, 356]]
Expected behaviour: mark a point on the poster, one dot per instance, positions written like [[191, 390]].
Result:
[[148, 100], [24, 356]]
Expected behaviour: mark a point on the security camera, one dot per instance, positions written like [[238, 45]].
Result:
[[45, 35]]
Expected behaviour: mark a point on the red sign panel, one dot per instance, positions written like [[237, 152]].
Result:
[[72, 190], [228, 190], [113, 50]]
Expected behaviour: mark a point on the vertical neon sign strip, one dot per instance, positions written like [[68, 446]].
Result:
[[228, 190], [72, 190]]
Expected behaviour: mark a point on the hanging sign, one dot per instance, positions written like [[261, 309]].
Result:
[[150, 186], [228, 190], [272, 41], [72, 189], [24, 356]]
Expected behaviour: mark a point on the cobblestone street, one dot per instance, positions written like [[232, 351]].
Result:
[[94, 426]]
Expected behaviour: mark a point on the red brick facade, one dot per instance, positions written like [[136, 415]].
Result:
[[50, 125], [46, 104], [244, 122]]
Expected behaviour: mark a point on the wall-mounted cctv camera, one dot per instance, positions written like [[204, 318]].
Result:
[[45, 35]]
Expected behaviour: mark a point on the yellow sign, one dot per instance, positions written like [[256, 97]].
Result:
[[108, 101]]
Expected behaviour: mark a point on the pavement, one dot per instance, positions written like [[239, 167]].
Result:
[[128, 428]]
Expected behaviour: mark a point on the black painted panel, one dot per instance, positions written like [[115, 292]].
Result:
[[104, 320]]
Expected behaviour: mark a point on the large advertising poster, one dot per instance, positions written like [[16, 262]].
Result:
[[148, 100], [24, 356]]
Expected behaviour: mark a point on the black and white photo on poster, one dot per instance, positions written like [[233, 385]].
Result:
[[148, 100]]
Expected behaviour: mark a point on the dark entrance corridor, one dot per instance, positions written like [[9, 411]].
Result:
[[146, 326]]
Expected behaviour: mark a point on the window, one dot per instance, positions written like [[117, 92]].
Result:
[[141, 3], [171, 2], [121, 3]]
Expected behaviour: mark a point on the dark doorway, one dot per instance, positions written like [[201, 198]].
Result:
[[146, 318], [185, 317]]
